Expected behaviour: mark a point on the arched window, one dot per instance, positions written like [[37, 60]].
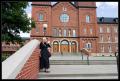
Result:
[[64, 42], [88, 19], [41, 17]]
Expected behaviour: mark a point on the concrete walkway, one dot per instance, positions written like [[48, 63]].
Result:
[[79, 57], [80, 72]]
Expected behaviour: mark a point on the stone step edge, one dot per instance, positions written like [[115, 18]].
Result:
[[77, 75]]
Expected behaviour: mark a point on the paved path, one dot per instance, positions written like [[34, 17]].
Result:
[[79, 57], [80, 72]]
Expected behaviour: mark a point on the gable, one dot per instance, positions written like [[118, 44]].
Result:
[[65, 4]]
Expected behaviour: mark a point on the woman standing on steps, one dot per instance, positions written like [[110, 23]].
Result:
[[45, 54]]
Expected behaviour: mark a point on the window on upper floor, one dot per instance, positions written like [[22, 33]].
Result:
[[60, 32], [69, 32], [74, 33], [65, 32], [108, 29], [101, 38], [64, 17], [101, 30], [115, 29], [116, 38], [41, 17], [84, 30], [54, 32], [91, 30], [88, 19]]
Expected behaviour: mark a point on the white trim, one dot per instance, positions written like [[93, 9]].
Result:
[[13, 65]]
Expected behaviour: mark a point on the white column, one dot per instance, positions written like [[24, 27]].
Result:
[[70, 46], [59, 46]]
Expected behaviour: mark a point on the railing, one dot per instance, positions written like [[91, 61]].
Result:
[[86, 52], [23, 64]]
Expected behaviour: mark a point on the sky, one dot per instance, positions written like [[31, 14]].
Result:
[[104, 9]]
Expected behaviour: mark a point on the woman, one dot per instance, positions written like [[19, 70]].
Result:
[[45, 54]]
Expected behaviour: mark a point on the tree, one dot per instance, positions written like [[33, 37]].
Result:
[[14, 20]]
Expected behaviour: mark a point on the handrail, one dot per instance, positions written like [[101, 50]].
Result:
[[12, 65]]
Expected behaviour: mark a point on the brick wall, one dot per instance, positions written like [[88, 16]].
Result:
[[31, 67]]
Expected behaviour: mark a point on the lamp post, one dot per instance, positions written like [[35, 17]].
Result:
[[44, 28]]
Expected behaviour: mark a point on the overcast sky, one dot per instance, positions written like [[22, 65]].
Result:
[[104, 9]]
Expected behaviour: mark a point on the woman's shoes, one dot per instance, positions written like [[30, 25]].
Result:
[[47, 71]]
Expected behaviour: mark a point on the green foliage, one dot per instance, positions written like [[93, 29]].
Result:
[[14, 20]]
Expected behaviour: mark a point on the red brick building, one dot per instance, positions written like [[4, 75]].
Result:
[[70, 26], [108, 35]]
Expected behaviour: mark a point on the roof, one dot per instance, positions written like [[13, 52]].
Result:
[[107, 20]]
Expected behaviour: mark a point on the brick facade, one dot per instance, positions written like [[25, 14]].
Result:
[[77, 22], [31, 67]]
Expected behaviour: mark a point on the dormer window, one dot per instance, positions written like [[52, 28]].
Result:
[[115, 20], [102, 19]]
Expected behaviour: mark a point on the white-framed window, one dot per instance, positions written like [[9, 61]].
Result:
[[109, 48], [55, 32], [84, 30], [60, 32], [101, 38], [91, 30], [64, 17], [69, 32], [116, 29], [116, 39], [108, 29], [87, 18], [88, 45], [101, 30], [74, 33], [108, 38], [102, 48], [41, 17], [65, 32]]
